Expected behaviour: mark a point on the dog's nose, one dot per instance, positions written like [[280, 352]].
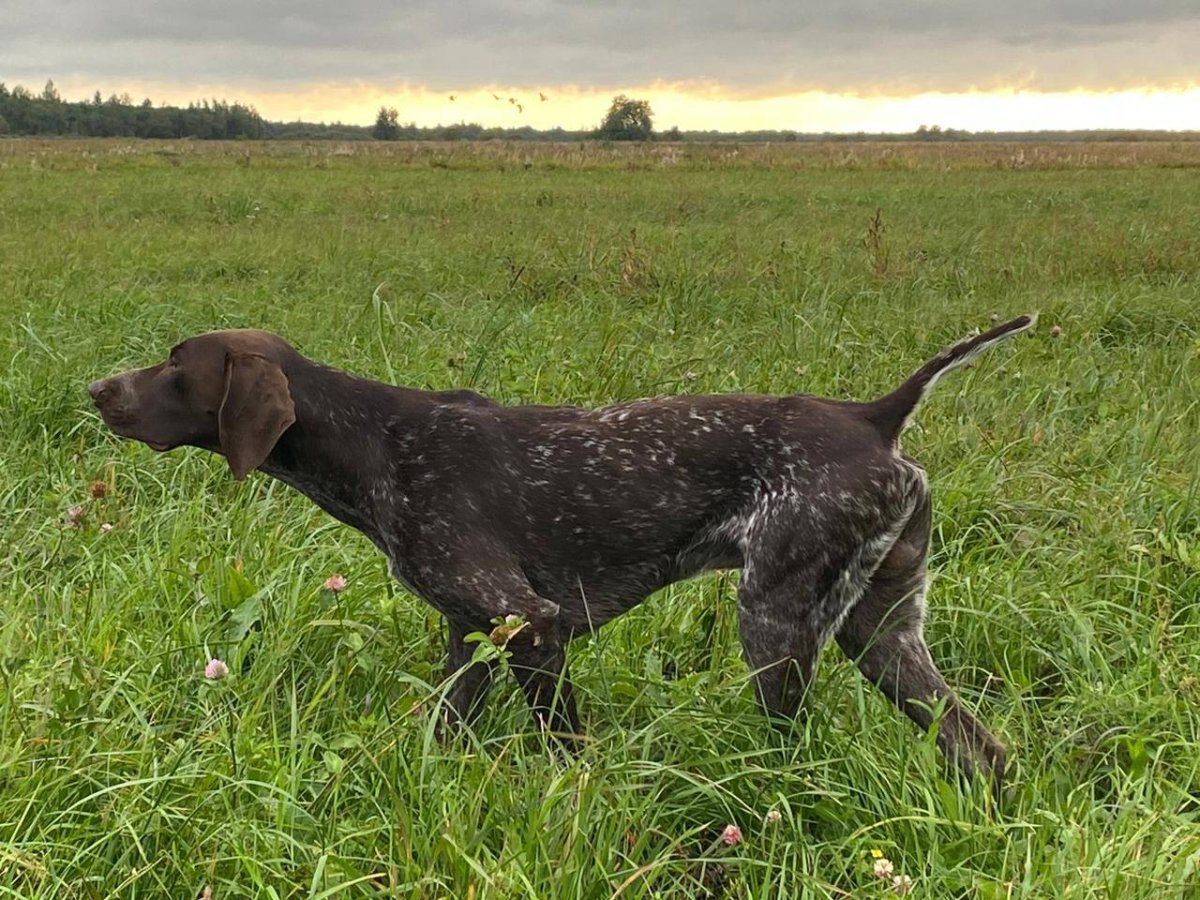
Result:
[[96, 388]]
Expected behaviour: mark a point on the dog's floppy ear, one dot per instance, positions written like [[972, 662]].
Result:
[[256, 409]]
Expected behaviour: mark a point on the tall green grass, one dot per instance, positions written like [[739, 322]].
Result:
[[1064, 605]]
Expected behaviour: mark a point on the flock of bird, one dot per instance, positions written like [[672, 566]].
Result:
[[512, 100]]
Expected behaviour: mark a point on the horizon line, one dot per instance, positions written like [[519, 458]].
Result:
[[689, 108]]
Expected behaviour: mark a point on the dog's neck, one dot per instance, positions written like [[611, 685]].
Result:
[[342, 451]]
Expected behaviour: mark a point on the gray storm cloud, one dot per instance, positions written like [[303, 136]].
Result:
[[754, 46]]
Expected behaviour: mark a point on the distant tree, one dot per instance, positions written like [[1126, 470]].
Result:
[[934, 133], [672, 134], [463, 131], [627, 120], [3, 126], [50, 92], [387, 125]]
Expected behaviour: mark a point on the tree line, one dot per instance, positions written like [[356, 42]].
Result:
[[47, 113], [628, 119], [388, 127]]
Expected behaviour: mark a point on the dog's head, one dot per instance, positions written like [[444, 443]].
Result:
[[225, 391]]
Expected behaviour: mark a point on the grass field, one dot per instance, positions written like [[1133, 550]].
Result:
[[1065, 604]]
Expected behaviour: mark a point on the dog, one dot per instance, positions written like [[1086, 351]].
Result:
[[567, 517]]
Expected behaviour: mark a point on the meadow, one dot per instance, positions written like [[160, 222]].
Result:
[[1064, 607]]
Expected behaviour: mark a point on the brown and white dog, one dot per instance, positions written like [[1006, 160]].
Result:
[[568, 517]]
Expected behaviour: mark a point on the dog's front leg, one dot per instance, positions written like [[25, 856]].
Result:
[[472, 680], [539, 663], [485, 586]]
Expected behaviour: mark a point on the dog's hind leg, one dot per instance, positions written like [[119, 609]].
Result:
[[805, 569], [883, 634]]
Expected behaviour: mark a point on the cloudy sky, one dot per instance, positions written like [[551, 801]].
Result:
[[816, 65]]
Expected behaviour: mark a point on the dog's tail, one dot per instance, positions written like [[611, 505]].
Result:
[[891, 413]]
